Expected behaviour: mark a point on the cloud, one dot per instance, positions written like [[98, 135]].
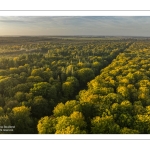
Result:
[[76, 25]]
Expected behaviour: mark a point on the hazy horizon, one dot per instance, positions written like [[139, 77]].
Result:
[[75, 26]]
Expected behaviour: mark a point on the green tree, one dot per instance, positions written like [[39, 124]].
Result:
[[20, 96], [39, 107], [20, 118], [96, 67], [14, 71], [67, 89], [10, 105], [104, 125], [5, 121], [138, 108], [84, 75], [43, 89], [36, 72], [34, 79], [114, 98], [46, 125], [6, 84], [125, 120], [123, 91], [74, 124], [2, 101], [143, 95], [66, 109], [142, 123], [126, 130], [1, 111], [59, 110], [74, 81]]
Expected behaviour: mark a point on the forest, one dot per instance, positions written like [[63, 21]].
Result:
[[74, 85]]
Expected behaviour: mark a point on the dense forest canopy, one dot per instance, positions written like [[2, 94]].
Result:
[[74, 85]]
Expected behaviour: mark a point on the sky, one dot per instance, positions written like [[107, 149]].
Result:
[[75, 25]]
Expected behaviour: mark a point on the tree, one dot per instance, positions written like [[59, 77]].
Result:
[[2, 101], [126, 106], [43, 89], [20, 96], [66, 109], [123, 91], [84, 75], [5, 121], [59, 110], [96, 66], [10, 105], [34, 79], [104, 125], [138, 108], [67, 89], [36, 72], [74, 124], [84, 96], [1, 111], [14, 71], [39, 107], [46, 75], [133, 93], [114, 98], [143, 95], [142, 123], [126, 130], [74, 81], [46, 125], [71, 106], [125, 120], [22, 69], [23, 87], [6, 84], [20, 118], [89, 110]]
